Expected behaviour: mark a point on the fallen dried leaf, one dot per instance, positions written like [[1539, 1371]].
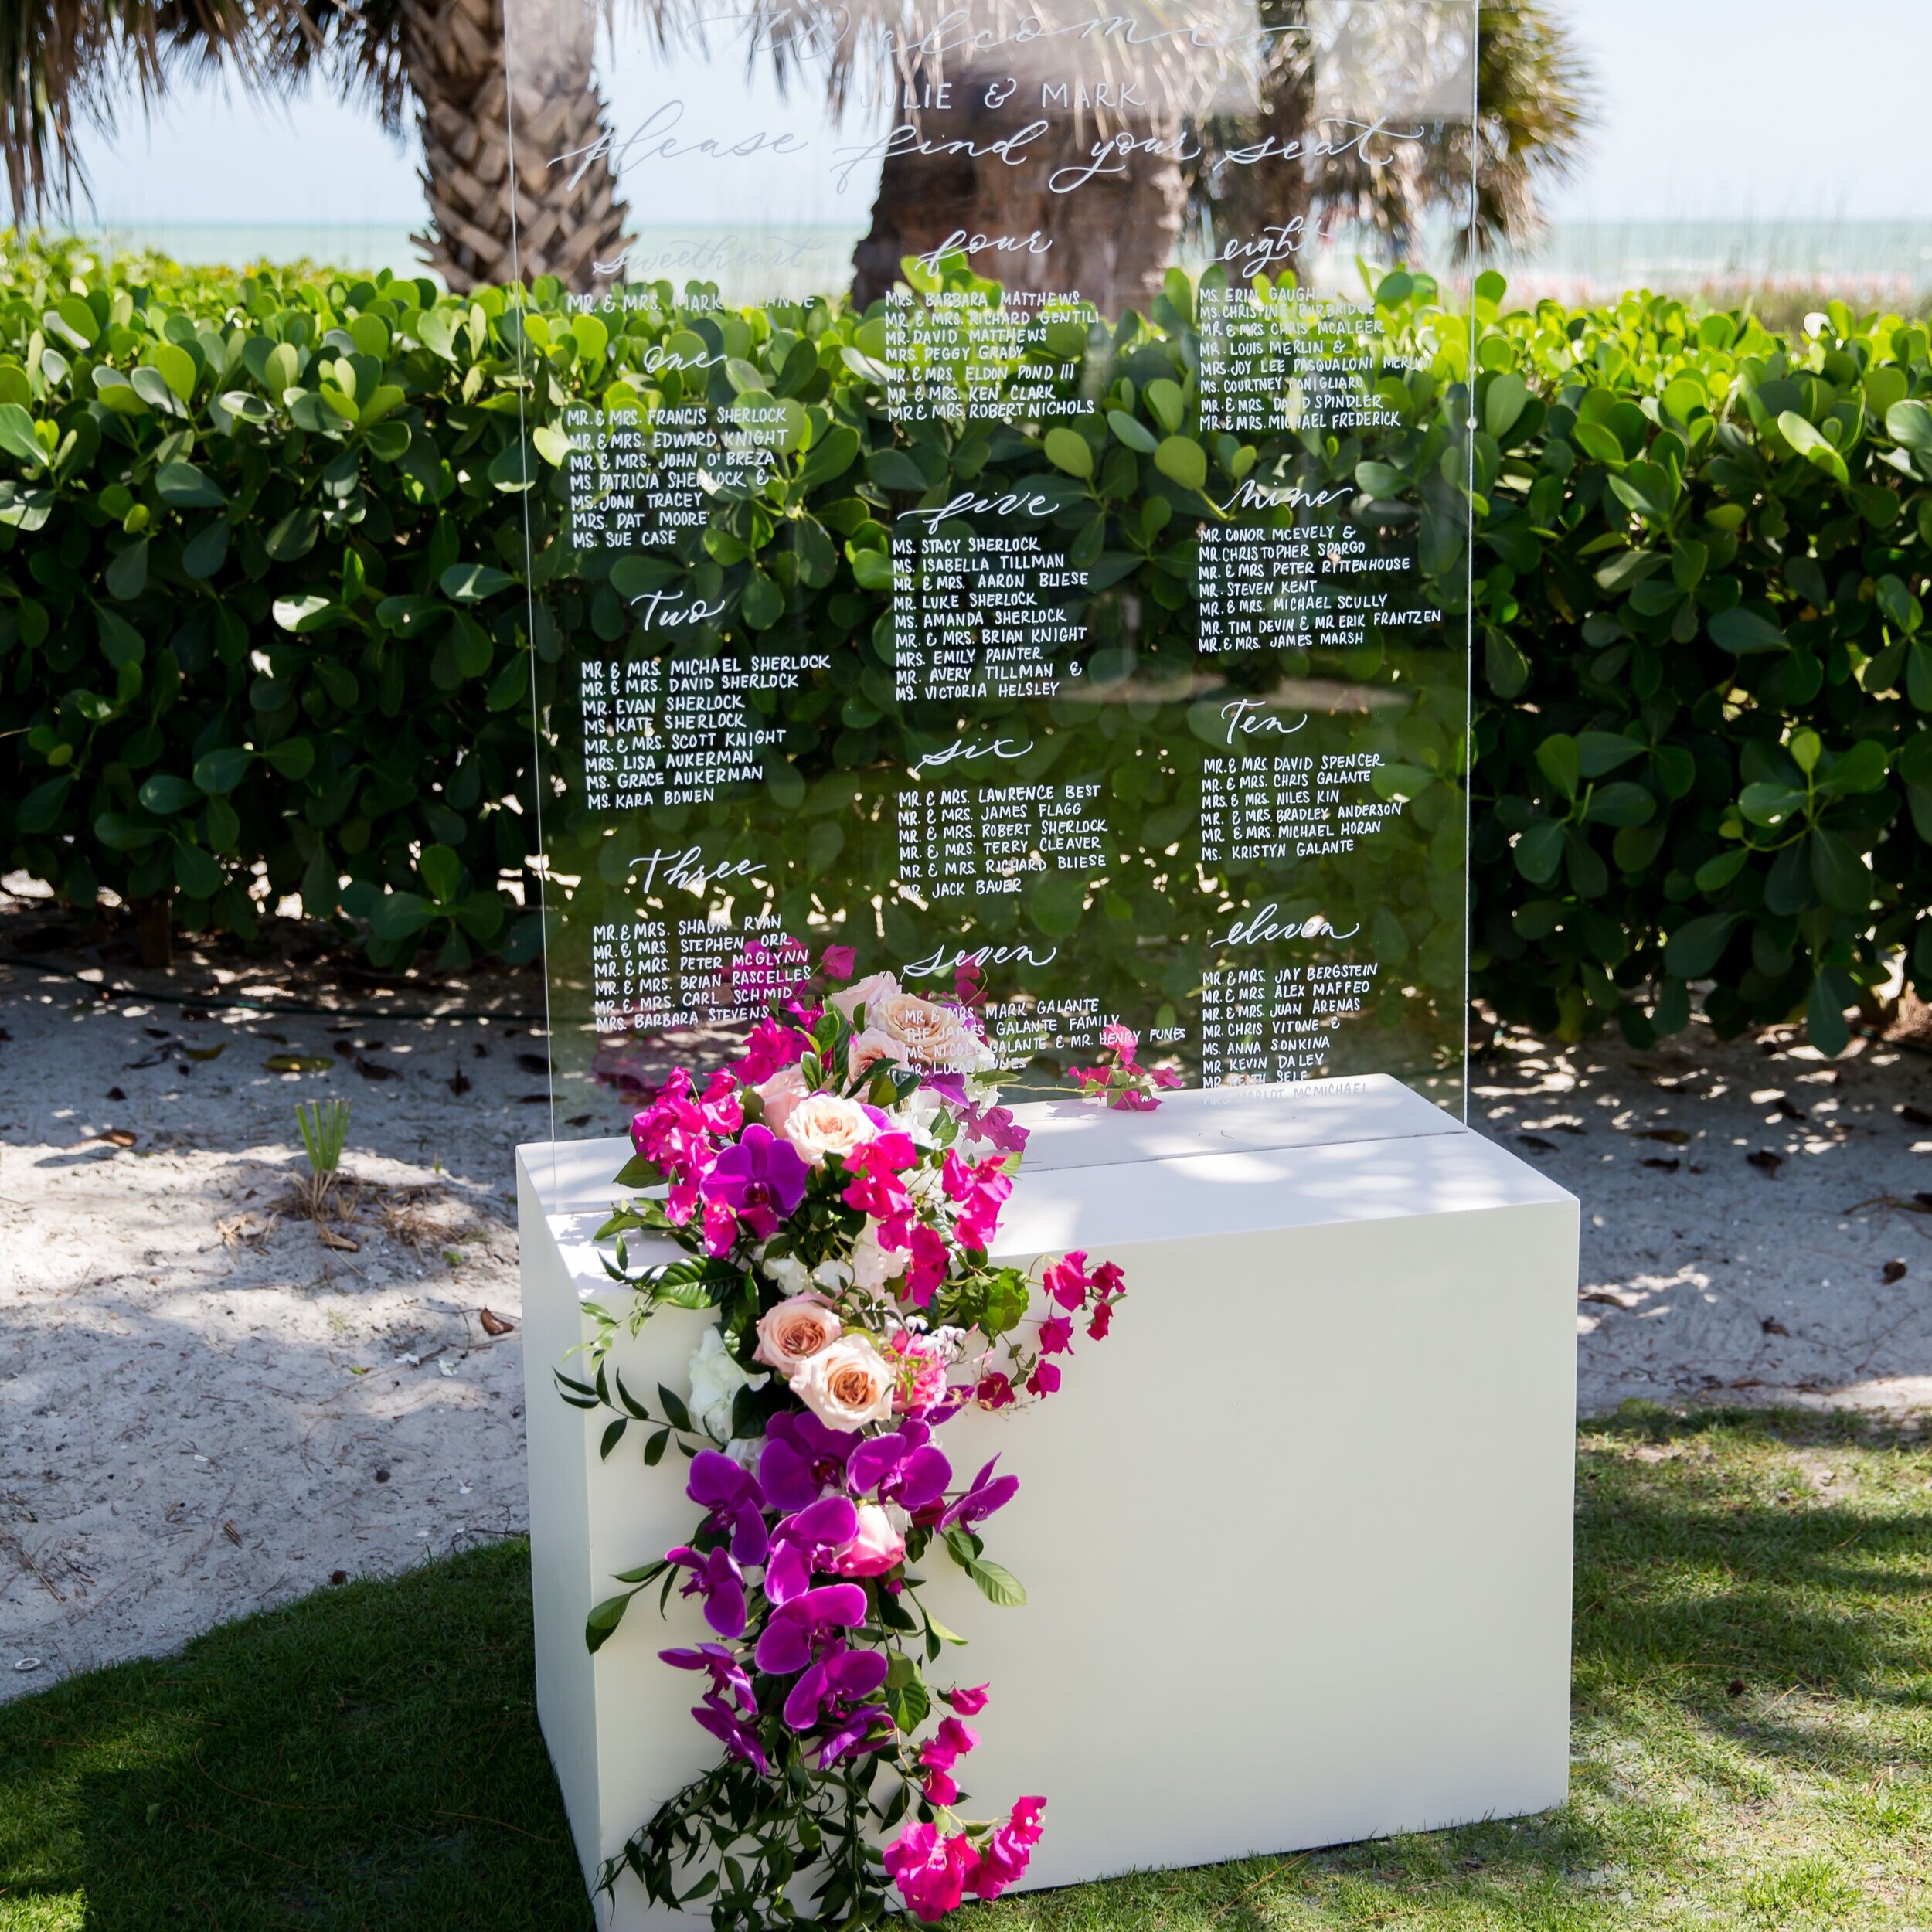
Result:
[[205, 1052], [1785, 1111], [1765, 1161], [340, 1242], [578, 1120], [345, 1047], [1673, 1136], [118, 1136], [1661, 1165], [1538, 1142], [1771, 1325], [1611, 1297], [115, 1093], [375, 1070], [298, 1062], [459, 1083], [1916, 1115], [233, 1535], [495, 1324], [1894, 1271], [533, 1099], [534, 1063], [339, 1577]]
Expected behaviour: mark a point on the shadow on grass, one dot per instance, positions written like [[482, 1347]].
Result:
[[370, 1758]]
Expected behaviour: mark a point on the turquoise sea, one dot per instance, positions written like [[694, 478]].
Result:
[[1887, 263]]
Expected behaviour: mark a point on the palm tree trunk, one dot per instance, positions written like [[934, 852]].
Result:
[[568, 215]]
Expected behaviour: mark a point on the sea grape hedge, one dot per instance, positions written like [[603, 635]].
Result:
[[263, 602]]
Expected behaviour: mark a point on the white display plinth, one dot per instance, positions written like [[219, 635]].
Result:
[[1296, 1538]]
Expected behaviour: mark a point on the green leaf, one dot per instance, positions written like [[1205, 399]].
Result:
[[164, 793], [1507, 397], [196, 872], [223, 771], [1182, 460], [177, 367], [1696, 946], [1861, 769], [604, 1620], [675, 1412], [1839, 872], [126, 576], [1381, 481], [1067, 450], [1911, 423], [187, 488], [471, 582], [1133, 433], [17, 438], [1599, 753], [1560, 761], [1745, 632], [442, 871], [1539, 852], [40, 809], [1770, 805]]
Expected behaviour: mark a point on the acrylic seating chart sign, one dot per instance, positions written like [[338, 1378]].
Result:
[[1001, 505]]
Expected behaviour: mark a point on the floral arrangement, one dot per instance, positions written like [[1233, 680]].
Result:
[[1124, 1082], [836, 1191]]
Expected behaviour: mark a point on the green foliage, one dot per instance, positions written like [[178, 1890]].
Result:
[[264, 623], [325, 1131], [1703, 753]]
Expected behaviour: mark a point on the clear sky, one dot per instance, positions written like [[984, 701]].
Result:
[[1719, 109]]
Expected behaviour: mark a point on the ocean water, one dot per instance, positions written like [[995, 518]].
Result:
[[1869, 263]]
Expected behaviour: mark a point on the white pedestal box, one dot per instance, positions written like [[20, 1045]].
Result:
[[1296, 1538]]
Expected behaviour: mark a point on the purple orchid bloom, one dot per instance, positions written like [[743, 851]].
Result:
[[860, 1732], [807, 1542], [759, 1178], [721, 1583], [726, 1673], [802, 1458], [787, 1643], [981, 1498], [732, 1495], [738, 1738], [838, 1675], [903, 1468]]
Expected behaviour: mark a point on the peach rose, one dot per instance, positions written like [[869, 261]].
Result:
[[846, 1384], [868, 1048], [794, 1331], [875, 1548], [822, 1124], [933, 1035], [781, 1093], [866, 993]]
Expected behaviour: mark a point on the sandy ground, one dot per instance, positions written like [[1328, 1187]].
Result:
[[207, 1404]]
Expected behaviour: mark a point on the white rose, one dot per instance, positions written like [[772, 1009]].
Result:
[[834, 1276], [866, 993], [716, 1380], [847, 1384], [824, 1123]]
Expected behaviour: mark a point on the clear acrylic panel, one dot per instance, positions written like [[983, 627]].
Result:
[[1003, 475]]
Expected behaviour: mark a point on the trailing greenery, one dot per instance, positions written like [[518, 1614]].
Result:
[[262, 601], [1754, 1620]]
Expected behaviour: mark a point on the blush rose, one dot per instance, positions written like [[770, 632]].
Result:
[[794, 1331]]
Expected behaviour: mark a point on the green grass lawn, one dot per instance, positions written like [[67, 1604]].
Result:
[[1751, 1741]]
